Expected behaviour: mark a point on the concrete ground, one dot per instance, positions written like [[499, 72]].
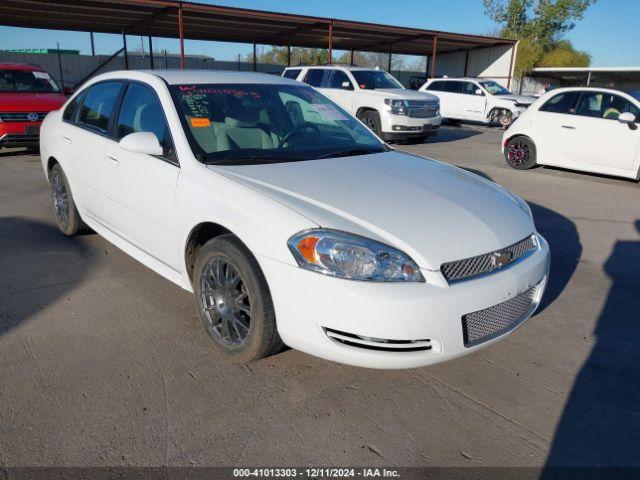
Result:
[[103, 362]]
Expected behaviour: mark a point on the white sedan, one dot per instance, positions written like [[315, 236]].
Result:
[[588, 129], [312, 233]]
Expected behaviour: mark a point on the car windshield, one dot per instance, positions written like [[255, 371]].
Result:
[[373, 79], [262, 123], [27, 81], [495, 88]]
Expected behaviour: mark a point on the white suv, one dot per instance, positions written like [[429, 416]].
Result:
[[378, 100], [477, 100]]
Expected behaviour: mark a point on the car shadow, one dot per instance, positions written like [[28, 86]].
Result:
[[39, 266], [564, 244], [600, 424], [452, 134]]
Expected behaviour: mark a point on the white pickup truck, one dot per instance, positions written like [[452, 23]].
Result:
[[477, 99], [381, 102]]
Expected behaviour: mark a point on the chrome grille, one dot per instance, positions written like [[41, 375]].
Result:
[[487, 262], [381, 344], [420, 109], [483, 325], [21, 116]]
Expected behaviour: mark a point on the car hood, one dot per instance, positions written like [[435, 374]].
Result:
[[523, 99], [432, 211], [403, 94], [30, 102]]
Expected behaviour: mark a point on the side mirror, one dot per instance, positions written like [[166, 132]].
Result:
[[141, 142], [627, 117], [347, 86], [479, 92]]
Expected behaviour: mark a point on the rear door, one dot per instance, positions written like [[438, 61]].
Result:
[[144, 185], [89, 141], [445, 90], [593, 138], [338, 87]]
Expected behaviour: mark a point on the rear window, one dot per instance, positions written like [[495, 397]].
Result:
[[292, 73], [561, 103], [27, 81]]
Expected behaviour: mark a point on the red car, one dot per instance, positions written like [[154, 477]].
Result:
[[27, 94]]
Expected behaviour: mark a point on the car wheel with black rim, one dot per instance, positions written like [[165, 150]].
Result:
[[234, 302], [64, 208], [520, 153]]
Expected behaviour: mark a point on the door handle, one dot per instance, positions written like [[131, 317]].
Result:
[[112, 160], [66, 139], [568, 127]]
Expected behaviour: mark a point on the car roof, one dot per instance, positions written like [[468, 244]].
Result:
[[468, 79], [588, 89], [175, 77], [351, 68], [20, 66]]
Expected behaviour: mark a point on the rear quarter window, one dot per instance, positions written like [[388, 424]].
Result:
[[292, 73]]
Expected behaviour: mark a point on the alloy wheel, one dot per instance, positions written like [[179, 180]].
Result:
[[226, 302], [60, 199], [518, 154]]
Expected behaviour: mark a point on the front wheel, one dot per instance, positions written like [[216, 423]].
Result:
[[372, 120], [234, 302], [520, 153]]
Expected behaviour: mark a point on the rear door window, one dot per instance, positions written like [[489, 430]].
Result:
[[453, 87], [314, 77], [337, 79], [98, 105], [604, 105]]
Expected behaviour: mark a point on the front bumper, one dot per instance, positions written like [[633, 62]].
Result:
[[314, 311], [19, 134], [397, 127]]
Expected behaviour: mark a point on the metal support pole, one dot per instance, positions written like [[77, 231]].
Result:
[[255, 59], [389, 63], [466, 62], [351, 57], [330, 59], [288, 55], [181, 31], [60, 67], [150, 53], [589, 79], [126, 54], [433, 56], [513, 51], [93, 45], [166, 60]]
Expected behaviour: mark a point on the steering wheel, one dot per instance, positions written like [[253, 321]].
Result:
[[296, 130]]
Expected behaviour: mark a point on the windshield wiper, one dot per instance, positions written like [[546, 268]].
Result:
[[351, 152], [251, 160]]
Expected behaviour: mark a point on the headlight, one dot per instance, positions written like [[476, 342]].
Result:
[[398, 107], [345, 255]]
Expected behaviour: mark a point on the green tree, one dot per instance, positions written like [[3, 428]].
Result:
[[539, 25]]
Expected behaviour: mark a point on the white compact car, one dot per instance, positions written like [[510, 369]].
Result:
[[290, 221], [477, 100], [376, 98], [589, 129]]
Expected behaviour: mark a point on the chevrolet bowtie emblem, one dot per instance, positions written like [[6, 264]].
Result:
[[500, 259]]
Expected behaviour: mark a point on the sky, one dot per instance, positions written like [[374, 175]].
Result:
[[608, 31]]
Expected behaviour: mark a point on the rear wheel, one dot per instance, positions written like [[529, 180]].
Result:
[[371, 119], [64, 208], [234, 302], [520, 153]]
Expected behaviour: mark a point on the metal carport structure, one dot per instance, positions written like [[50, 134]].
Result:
[[198, 21]]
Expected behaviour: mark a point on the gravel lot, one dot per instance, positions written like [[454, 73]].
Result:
[[103, 362]]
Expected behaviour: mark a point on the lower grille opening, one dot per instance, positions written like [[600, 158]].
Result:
[[382, 344], [483, 325]]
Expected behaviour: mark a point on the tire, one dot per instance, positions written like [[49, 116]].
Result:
[[371, 119], [233, 301], [520, 153], [65, 211]]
